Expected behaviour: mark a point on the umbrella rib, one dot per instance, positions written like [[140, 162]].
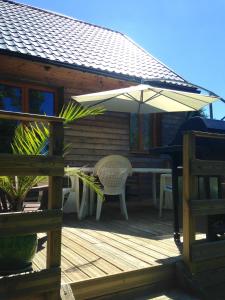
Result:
[[160, 93], [191, 97], [103, 101], [151, 98], [131, 97]]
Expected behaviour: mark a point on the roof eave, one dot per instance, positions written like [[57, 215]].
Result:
[[71, 66], [105, 73]]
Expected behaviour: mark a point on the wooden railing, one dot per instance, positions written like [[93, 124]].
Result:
[[44, 284], [200, 255]]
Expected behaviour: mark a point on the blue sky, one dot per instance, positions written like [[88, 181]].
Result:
[[186, 35]]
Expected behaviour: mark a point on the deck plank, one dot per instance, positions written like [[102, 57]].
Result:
[[137, 257], [98, 261], [112, 246], [144, 246], [120, 264], [111, 250], [129, 247]]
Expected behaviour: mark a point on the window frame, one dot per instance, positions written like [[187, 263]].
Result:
[[25, 87], [155, 132]]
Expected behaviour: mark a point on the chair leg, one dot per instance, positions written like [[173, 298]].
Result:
[[83, 207], [99, 208], [161, 197], [92, 201], [123, 205]]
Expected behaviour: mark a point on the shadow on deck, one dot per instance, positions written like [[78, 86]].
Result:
[[114, 254]]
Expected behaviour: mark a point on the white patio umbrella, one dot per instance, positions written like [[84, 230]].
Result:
[[146, 99]]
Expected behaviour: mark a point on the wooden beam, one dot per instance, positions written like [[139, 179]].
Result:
[[9, 115], [106, 285], [55, 196], [209, 264], [211, 135], [207, 207], [66, 292], [207, 250], [30, 222], [77, 82], [26, 165], [207, 167], [30, 283]]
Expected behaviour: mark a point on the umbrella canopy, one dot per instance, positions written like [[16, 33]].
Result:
[[146, 99]]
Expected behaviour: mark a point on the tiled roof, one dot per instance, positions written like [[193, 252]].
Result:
[[45, 35]]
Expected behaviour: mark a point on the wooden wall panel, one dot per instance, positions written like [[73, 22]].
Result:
[[169, 126], [94, 137]]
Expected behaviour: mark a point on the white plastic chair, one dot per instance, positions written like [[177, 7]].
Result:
[[68, 196], [69, 205], [112, 172], [166, 200]]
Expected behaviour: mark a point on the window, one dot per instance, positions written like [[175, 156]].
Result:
[[21, 97], [10, 98], [28, 98], [144, 132], [41, 102]]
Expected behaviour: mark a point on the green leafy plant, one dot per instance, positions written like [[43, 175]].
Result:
[[32, 139]]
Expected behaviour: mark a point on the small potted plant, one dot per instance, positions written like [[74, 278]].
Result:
[[16, 252]]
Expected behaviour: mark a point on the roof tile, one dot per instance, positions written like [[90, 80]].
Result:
[[29, 30]]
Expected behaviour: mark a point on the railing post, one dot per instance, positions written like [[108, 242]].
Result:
[[55, 200], [189, 193]]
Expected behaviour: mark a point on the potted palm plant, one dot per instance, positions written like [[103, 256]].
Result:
[[16, 252]]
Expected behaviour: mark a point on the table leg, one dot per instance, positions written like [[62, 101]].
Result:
[[154, 188]]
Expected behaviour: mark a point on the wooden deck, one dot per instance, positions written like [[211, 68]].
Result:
[[113, 246]]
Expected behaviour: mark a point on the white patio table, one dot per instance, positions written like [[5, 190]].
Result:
[[83, 207]]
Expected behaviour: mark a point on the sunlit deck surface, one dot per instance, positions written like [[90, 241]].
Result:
[[92, 249]]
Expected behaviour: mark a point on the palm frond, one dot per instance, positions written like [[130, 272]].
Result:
[[73, 111], [88, 180], [66, 149], [30, 139], [17, 187]]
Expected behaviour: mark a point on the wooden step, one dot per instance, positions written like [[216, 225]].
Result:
[[208, 285], [66, 292], [122, 282]]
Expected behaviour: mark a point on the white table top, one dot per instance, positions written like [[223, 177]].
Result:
[[134, 170]]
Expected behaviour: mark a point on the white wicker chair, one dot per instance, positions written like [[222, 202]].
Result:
[[112, 172]]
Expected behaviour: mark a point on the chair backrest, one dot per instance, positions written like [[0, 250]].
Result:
[[112, 172]]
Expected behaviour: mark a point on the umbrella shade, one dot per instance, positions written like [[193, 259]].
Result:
[[146, 99]]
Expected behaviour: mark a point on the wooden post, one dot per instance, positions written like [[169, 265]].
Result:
[[175, 193], [54, 202], [189, 193], [55, 196], [43, 284]]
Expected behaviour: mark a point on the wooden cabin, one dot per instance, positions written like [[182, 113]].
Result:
[[45, 58]]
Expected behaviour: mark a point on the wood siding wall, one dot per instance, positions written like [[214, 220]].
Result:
[[95, 137], [169, 125]]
